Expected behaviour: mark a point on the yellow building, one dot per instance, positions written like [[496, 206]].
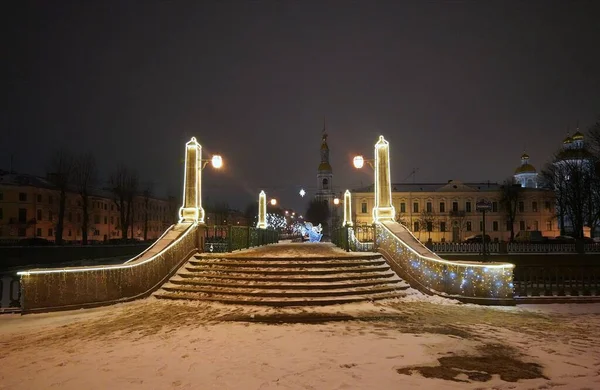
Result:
[[447, 211], [29, 208]]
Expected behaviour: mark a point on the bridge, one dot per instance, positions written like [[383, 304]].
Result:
[[381, 264]]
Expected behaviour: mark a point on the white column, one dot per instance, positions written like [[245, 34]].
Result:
[[262, 211], [191, 209], [347, 208], [383, 210]]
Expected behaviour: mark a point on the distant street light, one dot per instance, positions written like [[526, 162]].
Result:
[[336, 201], [302, 192], [273, 202]]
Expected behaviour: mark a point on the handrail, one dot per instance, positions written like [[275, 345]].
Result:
[[489, 283], [77, 287], [151, 246], [105, 267]]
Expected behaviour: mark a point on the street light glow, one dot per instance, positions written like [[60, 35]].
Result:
[[217, 161], [302, 192], [359, 162], [336, 201], [273, 202]]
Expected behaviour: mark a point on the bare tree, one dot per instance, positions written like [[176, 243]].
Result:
[[401, 218], [146, 195], [594, 192], [510, 195], [428, 222], [85, 177], [571, 175], [124, 184], [459, 220], [60, 174]]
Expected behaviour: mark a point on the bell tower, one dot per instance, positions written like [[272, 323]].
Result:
[[324, 173]]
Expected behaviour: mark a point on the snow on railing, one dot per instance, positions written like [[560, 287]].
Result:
[[479, 282]]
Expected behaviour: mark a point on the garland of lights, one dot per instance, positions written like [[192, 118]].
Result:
[[450, 278]]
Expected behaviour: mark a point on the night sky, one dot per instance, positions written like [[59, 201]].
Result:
[[460, 89]]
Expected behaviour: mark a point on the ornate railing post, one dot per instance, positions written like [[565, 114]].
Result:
[[346, 238], [229, 239]]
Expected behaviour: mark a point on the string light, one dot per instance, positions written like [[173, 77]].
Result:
[[450, 278], [347, 209], [383, 210], [262, 210]]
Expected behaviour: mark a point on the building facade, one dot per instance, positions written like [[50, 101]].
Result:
[[29, 208], [446, 212]]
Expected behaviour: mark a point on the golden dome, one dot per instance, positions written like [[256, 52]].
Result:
[[324, 166], [577, 136], [524, 156], [525, 168], [568, 140]]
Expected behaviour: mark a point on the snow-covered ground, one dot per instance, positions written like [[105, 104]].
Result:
[[406, 343]]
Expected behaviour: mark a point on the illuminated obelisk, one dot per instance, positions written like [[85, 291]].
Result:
[[347, 209], [262, 211], [191, 209], [383, 210]]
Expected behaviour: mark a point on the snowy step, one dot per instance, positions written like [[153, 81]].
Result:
[[284, 285], [289, 271], [359, 256], [233, 276], [279, 302], [286, 264], [257, 292]]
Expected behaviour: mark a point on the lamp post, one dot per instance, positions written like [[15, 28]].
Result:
[[191, 209], [483, 206], [262, 210], [383, 210], [347, 208]]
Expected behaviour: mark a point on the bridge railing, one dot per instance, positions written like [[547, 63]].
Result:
[[76, 287], [228, 238], [356, 239], [10, 292], [485, 283], [557, 281]]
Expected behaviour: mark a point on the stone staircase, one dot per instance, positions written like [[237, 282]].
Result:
[[284, 281]]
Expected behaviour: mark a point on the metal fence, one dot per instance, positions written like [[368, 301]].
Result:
[[557, 281], [220, 238], [522, 247], [356, 239], [464, 247]]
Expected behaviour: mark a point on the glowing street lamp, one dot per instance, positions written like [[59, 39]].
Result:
[[273, 202], [359, 162], [302, 192], [336, 201], [217, 161]]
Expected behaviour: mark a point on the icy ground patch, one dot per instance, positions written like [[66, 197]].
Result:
[[404, 343]]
